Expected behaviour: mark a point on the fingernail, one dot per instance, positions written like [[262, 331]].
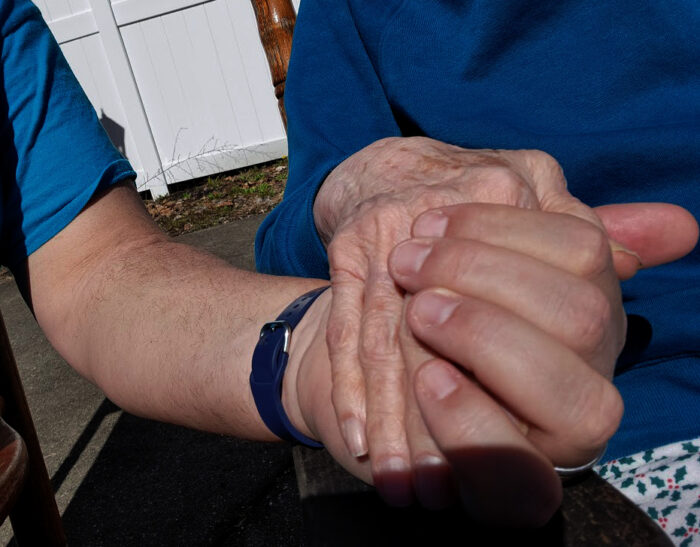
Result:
[[354, 435], [409, 256], [392, 478], [616, 246], [434, 307], [430, 224], [437, 380]]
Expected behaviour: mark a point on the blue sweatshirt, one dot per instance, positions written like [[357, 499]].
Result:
[[610, 89]]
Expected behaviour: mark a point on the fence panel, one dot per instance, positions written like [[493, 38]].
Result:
[[182, 86]]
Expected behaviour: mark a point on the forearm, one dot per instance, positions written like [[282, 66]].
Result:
[[165, 330], [169, 334]]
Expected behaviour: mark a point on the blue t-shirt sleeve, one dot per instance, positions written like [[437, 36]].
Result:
[[335, 106], [54, 153]]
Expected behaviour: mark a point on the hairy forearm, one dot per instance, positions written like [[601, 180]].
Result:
[[169, 333], [166, 330]]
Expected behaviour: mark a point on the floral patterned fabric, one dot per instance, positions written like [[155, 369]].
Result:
[[664, 482]]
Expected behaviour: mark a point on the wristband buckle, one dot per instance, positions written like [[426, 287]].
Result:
[[272, 326], [269, 364]]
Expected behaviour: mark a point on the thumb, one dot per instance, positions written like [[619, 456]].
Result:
[[656, 232]]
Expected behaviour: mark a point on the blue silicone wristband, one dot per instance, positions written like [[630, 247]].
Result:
[[269, 363]]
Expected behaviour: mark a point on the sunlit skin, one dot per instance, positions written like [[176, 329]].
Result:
[[367, 206]]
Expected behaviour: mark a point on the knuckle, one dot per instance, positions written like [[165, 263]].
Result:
[[373, 220], [593, 254], [426, 196], [542, 164], [596, 414], [592, 319], [340, 335], [379, 343], [501, 185], [543, 160], [386, 142], [347, 262]]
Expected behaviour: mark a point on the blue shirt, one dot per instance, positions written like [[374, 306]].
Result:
[[610, 89], [54, 154]]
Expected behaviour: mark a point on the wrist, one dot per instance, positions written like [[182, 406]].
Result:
[[328, 204], [376, 169], [302, 385], [270, 366]]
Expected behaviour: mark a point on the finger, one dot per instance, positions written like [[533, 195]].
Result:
[[651, 233], [563, 241], [342, 338], [560, 240], [578, 313], [385, 385], [572, 409], [657, 232], [501, 477], [431, 471]]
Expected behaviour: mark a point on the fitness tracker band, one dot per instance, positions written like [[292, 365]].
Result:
[[269, 363]]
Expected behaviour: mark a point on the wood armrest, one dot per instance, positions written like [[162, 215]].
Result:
[[13, 465]]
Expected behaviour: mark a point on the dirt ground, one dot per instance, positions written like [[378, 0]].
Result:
[[217, 200]]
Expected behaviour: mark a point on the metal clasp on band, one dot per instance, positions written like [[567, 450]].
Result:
[[273, 326]]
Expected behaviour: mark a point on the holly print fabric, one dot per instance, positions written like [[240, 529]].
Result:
[[664, 482]]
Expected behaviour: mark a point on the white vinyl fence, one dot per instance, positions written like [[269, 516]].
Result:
[[181, 86]]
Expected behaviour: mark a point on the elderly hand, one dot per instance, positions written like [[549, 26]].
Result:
[[363, 209], [530, 308], [530, 398]]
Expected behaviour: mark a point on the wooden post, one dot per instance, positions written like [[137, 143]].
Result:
[[276, 19]]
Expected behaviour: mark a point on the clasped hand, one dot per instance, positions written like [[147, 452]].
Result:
[[476, 388]]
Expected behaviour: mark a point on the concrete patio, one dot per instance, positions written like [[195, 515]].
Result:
[[122, 480]]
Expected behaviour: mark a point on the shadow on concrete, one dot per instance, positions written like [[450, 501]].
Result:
[[159, 484], [142, 482], [105, 409]]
